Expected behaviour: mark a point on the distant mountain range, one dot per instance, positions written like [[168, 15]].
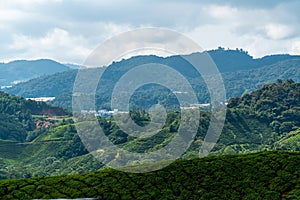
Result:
[[241, 73], [24, 70]]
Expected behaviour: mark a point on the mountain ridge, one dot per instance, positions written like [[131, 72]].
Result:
[[23, 70], [237, 83]]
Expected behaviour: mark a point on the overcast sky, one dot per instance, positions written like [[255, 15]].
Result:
[[69, 30]]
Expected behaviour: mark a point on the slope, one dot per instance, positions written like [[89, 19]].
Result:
[[267, 175], [266, 119]]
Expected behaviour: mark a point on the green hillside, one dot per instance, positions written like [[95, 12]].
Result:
[[267, 175], [262, 121], [266, 119], [16, 114]]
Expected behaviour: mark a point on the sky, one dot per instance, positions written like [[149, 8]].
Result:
[[69, 30]]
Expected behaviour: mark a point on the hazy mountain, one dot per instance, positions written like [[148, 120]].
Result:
[[23, 70], [241, 74], [74, 66]]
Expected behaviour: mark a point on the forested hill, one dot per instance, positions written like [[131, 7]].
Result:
[[16, 115], [271, 97], [277, 104], [12, 104]]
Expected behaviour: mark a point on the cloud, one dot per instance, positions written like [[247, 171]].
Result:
[[162, 42], [222, 13], [278, 31], [295, 48], [254, 4], [32, 28], [57, 44]]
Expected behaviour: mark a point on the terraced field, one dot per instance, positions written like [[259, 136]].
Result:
[[266, 175]]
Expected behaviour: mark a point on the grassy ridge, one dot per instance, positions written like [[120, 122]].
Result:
[[266, 175]]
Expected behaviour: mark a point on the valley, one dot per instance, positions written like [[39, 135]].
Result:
[[43, 156], [259, 121]]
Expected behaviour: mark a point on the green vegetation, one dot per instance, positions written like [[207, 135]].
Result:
[[11, 129], [16, 116], [267, 175], [24, 121], [266, 119], [261, 133], [262, 121], [276, 104], [255, 122]]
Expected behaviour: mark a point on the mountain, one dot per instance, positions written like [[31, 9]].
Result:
[[226, 61], [238, 59], [241, 74], [245, 81], [48, 85], [74, 66], [23, 70], [267, 175]]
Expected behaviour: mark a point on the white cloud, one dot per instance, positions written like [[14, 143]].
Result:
[[222, 13], [144, 41], [295, 48], [57, 44], [59, 28], [28, 3], [11, 15], [278, 31]]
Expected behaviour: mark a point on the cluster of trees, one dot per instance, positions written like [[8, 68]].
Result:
[[277, 104], [16, 115], [17, 107]]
